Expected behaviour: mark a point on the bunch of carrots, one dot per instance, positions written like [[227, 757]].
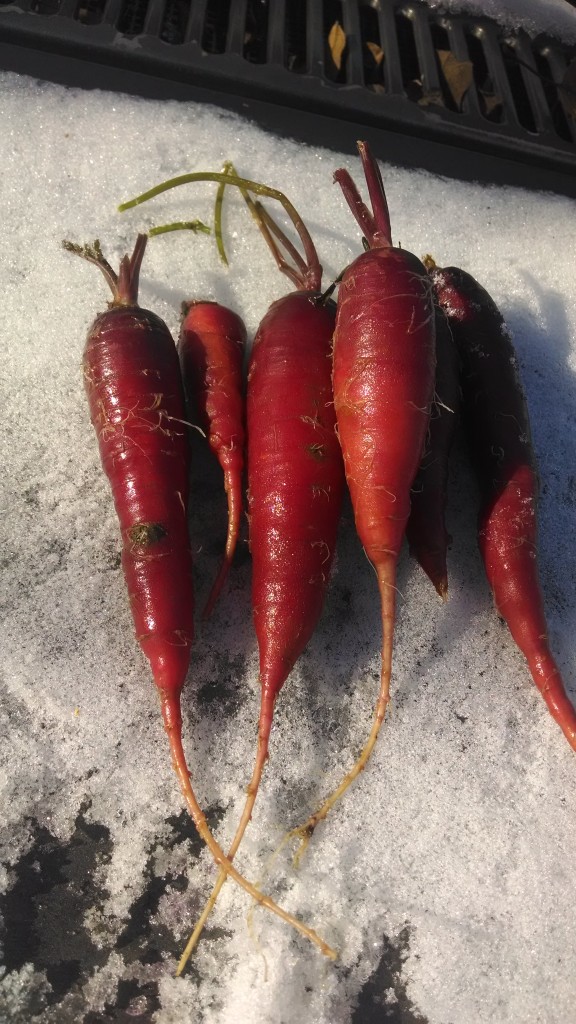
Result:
[[366, 392]]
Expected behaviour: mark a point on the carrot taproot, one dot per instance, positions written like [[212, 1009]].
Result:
[[497, 425], [295, 487], [134, 388], [384, 364], [426, 531], [211, 350]]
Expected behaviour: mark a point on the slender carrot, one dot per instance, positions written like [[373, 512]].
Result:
[[296, 481], [211, 350]]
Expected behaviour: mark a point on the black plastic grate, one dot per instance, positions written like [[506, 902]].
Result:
[[388, 74]]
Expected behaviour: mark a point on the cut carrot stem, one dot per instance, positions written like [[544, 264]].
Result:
[[243, 183]]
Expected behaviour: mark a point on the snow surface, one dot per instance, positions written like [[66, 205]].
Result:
[[446, 877], [551, 17]]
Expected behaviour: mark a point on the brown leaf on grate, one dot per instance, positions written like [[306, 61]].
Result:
[[376, 51], [337, 43], [458, 75], [491, 101], [567, 89]]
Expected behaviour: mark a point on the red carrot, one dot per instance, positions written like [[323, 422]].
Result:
[[136, 401], [211, 350], [296, 480], [426, 529], [498, 430], [383, 387]]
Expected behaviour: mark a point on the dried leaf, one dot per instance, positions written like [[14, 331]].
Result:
[[457, 73], [568, 89], [377, 52], [432, 98], [491, 101], [337, 43]]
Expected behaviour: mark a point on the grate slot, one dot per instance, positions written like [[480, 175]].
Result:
[[154, 18], [354, 69], [520, 95], [555, 66], [67, 8], [296, 37], [532, 82], [459, 47], [46, 7], [315, 39], [372, 63], [196, 18], [256, 31], [112, 12], [277, 33], [409, 63], [431, 88], [441, 41], [89, 12], [489, 101], [332, 13], [132, 17], [215, 27], [392, 64], [174, 21], [237, 27], [488, 36]]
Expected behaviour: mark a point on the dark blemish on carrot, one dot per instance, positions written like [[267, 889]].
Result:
[[317, 451], [145, 535]]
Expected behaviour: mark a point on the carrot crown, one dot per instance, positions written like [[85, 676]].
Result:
[[313, 272], [375, 226], [124, 285]]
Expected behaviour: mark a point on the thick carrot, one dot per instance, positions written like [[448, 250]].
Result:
[[295, 481], [211, 349], [426, 529], [384, 361], [496, 420], [136, 401]]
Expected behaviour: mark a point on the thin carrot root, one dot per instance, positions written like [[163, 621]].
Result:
[[171, 715], [233, 487], [261, 758], [388, 598]]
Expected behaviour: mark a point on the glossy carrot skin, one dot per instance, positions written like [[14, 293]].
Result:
[[211, 350], [384, 360], [498, 429], [383, 382], [296, 483], [426, 529], [134, 389]]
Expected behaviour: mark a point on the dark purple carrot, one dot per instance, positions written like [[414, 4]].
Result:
[[426, 530], [496, 420]]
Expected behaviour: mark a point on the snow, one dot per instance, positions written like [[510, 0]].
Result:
[[445, 877], [550, 17]]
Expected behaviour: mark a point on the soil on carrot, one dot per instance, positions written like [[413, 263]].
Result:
[[145, 535]]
